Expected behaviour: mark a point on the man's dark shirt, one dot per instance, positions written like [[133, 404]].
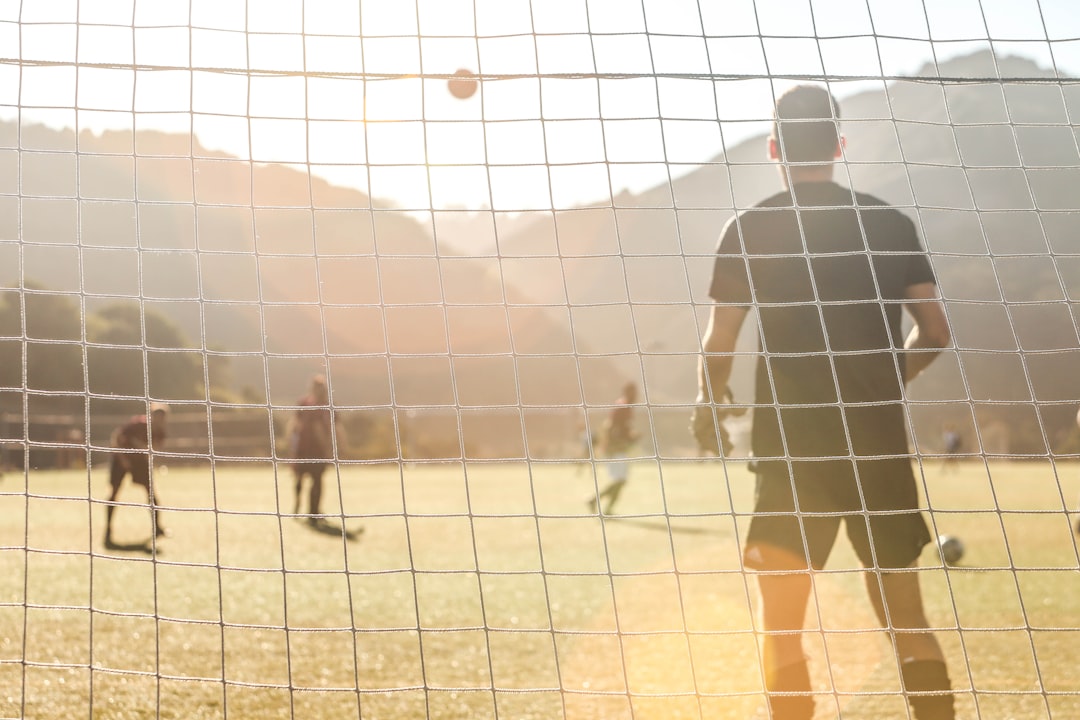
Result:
[[132, 435], [828, 280], [313, 430]]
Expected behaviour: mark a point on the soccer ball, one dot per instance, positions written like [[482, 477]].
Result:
[[951, 549], [462, 84]]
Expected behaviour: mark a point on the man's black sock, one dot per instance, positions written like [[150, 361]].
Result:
[[923, 677], [794, 678]]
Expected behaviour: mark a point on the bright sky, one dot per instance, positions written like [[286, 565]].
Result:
[[527, 140]]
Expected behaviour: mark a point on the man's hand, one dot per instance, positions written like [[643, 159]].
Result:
[[704, 428], [707, 426]]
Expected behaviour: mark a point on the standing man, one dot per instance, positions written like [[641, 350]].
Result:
[[136, 441], [312, 442], [618, 437], [829, 272]]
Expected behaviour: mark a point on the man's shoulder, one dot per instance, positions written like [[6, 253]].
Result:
[[760, 212], [780, 199], [866, 200], [882, 214], [871, 209]]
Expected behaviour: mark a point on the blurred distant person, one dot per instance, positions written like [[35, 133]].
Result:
[[829, 271], [954, 443], [617, 438], [312, 440], [136, 440]]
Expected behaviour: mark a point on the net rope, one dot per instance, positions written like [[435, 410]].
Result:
[[458, 570]]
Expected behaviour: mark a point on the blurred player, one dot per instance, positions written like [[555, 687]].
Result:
[[136, 440], [618, 437], [954, 443], [312, 441], [829, 271]]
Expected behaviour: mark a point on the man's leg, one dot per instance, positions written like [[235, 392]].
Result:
[[619, 471], [315, 493], [141, 475], [155, 512], [298, 472], [117, 471], [785, 545], [784, 598], [897, 601], [611, 494]]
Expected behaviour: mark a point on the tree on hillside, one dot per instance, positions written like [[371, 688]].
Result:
[[51, 324], [172, 368]]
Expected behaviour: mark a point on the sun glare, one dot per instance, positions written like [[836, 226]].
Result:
[[359, 93]]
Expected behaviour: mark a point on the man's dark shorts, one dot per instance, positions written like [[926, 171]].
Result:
[[830, 492], [138, 464]]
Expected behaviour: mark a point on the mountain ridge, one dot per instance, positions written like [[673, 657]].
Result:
[[287, 272]]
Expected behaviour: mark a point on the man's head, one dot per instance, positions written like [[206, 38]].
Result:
[[806, 126], [159, 412]]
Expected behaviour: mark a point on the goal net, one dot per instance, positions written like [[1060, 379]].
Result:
[[489, 227]]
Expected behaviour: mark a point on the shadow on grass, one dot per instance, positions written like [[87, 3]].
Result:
[[324, 527], [145, 547], [656, 525]]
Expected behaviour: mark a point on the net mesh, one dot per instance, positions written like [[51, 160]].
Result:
[[209, 204]]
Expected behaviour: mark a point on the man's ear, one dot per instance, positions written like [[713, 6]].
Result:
[[773, 149], [840, 147]]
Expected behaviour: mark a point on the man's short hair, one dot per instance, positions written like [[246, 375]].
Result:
[[813, 135]]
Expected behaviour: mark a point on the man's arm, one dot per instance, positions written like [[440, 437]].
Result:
[[714, 371], [931, 331], [713, 374]]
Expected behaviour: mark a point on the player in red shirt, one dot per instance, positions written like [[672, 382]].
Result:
[[136, 440]]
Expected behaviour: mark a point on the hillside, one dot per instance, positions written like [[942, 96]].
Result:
[[285, 273], [989, 172]]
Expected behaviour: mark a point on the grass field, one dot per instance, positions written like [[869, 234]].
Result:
[[488, 590]]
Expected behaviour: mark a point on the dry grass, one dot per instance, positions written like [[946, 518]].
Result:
[[489, 590]]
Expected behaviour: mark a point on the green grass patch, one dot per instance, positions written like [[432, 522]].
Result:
[[484, 590]]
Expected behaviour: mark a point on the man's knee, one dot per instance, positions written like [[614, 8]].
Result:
[[785, 585], [784, 599]]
